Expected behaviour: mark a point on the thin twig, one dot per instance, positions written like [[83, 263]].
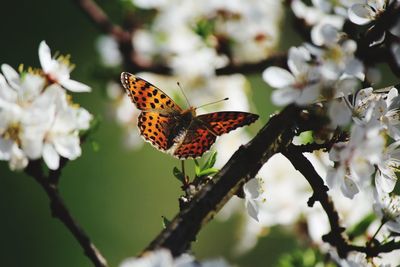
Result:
[[97, 15], [60, 211], [336, 236]]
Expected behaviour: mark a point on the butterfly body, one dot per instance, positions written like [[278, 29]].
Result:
[[171, 129]]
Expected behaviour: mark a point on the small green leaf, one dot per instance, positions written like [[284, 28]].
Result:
[[209, 171], [178, 174], [361, 227], [210, 161], [196, 167], [165, 222]]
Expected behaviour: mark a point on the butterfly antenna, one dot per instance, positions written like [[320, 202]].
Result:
[[183, 92], [215, 102]]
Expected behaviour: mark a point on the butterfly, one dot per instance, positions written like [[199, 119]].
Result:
[[171, 129]]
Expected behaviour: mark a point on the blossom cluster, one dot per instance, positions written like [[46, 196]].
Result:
[[327, 72], [194, 39], [37, 117]]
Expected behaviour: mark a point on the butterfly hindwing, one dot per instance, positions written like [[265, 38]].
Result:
[[197, 140], [224, 122], [147, 96]]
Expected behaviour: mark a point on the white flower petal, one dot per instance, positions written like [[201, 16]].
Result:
[[83, 118], [349, 188], [45, 57], [75, 86], [324, 34], [252, 209], [11, 76], [360, 14], [385, 181], [6, 92], [5, 148], [284, 96], [51, 157], [339, 113], [18, 160], [298, 60], [68, 146], [308, 95], [278, 77], [32, 143], [252, 189]]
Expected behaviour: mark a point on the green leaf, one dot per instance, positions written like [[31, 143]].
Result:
[[210, 161], [361, 227], [196, 167], [178, 174], [165, 222], [209, 171]]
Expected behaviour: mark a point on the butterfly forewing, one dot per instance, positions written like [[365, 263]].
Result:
[[226, 121], [147, 96], [157, 128]]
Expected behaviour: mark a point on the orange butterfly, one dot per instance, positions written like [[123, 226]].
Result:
[[173, 130]]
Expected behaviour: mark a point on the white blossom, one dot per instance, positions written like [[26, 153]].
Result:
[[109, 51], [38, 120], [301, 85], [387, 207], [356, 158], [364, 13], [58, 70]]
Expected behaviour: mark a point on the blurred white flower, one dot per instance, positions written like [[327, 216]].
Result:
[[317, 14], [163, 258], [148, 4], [109, 51], [366, 12], [286, 192], [58, 70], [355, 159], [387, 207], [253, 192], [337, 58], [195, 39], [125, 114], [301, 85], [354, 259], [385, 177]]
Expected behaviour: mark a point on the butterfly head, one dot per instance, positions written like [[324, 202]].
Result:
[[189, 113]]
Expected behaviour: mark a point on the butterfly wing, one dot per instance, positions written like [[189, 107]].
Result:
[[204, 129], [197, 140], [146, 96], [225, 121], [157, 128]]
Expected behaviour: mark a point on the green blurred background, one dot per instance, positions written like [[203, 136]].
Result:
[[118, 196]]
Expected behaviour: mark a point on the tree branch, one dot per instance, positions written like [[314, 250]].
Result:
[[101, 20], [60, 211], [241, 167]]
